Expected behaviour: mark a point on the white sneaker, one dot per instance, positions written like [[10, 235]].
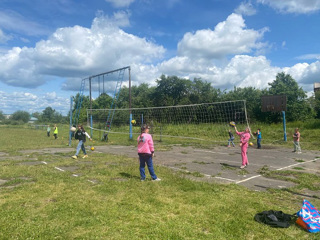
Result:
[[298, 152], [85, 156], [157, 179], [74, 157]]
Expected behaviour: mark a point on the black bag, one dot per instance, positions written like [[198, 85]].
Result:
[[273, 218]]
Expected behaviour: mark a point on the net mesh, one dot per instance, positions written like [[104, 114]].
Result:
[[206, 121]]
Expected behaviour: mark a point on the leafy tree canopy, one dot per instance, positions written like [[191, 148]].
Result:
[[22, 116]]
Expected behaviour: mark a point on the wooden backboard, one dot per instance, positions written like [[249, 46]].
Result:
[[274, 103]]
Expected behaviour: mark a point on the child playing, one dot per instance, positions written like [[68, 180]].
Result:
[[81, 135], [231, 139], [48, 130], [296, 141], [146, 152], [55, 131], [244, 139], [258, 133]]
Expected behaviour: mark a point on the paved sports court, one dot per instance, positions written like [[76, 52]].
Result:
[[221, 164]]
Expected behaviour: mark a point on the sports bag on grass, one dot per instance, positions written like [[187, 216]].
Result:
[[309, 217], [273, 218]]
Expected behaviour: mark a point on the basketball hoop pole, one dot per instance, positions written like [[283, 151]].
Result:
[[284, 126]]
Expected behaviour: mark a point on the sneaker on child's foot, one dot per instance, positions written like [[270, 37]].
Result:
[[157, 179], [85, 156], [243, 166], [74, 157]]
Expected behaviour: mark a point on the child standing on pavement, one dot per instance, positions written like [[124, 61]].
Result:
[[296, 141], [259, 138], [231, 139], [244, 139], [81, 135], [146, 152]]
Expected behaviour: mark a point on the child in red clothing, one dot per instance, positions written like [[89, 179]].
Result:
[[146, 152]]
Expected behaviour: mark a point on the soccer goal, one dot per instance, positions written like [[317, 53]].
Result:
[[206, 121]]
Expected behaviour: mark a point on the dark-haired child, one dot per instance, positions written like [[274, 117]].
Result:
[[231, 139], [81, 135]]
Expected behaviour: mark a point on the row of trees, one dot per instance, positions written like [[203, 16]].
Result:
[[17, 117], [172, 90], [48, 115]]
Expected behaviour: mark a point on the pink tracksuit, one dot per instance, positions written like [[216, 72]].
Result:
[[244, 139], [145, 144]]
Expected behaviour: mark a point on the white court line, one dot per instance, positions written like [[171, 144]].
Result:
[[44, 162], [207, 175], [231, 180], [300, 163], [75, 175], [279, 169], [91, 181], [59, 169], [248, 179], [211, 152]]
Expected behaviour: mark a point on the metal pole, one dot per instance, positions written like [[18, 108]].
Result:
[[130, 135], [90, 107], [70, 125], [103, 85], [284, 126]]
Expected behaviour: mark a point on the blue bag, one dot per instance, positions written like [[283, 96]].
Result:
[[310, 216]]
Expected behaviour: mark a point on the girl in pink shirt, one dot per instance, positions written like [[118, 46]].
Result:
[[146, 152], [244, 140]]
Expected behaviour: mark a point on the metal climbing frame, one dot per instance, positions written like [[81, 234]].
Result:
[[114, 100], [79, 102], [99, 77]]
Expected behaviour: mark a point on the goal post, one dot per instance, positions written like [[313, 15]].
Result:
[[205, 121]]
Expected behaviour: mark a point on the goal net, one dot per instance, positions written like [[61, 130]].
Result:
[[206, 121]]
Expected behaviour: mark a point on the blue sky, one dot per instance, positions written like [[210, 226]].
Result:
[[47, 47]]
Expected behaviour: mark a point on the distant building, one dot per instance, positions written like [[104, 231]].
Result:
[[316, 87], [7, 116], [33, 120]]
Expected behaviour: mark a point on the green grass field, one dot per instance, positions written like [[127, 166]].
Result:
[[107, 200]]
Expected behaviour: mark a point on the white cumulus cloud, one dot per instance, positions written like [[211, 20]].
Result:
[[246, 9], [30, 102], [77, 52], [228, 37], [293, 6]]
